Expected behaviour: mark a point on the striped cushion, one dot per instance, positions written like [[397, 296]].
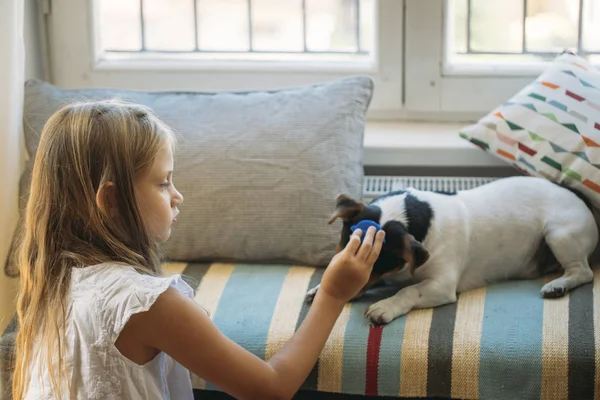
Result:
[[551, 128], [503, 341]]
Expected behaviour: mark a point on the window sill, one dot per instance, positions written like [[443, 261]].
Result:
[[402, 144]]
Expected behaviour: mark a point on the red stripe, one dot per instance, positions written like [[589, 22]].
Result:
[[597, 126], [373, 347], [575, 96], [527, 150]]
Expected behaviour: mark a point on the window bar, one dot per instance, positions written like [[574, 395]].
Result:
[[468, 26], [304, 24], [250, 46], [196, 24], [357, 23], [142, 26], [524, 37], [580, 29]]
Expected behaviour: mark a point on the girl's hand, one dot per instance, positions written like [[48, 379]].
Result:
[[349, 270]]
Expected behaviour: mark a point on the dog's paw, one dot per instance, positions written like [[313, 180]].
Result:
[[553, 290], [383, 312], [310, 295]]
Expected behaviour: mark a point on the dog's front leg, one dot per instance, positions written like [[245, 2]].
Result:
[[425, 294]]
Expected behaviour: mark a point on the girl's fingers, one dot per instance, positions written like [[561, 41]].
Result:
[[376, 248], [367, 244], [354, 242]]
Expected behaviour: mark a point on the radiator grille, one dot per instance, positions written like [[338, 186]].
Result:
[[377, 185]]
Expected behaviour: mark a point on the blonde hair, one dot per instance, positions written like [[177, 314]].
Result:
[[82, 146]]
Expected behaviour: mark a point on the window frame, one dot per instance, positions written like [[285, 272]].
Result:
[[413, 79]]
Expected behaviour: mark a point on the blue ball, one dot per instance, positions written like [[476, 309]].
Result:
[[364, 225]]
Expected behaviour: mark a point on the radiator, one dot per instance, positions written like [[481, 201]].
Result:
[[377, 185]]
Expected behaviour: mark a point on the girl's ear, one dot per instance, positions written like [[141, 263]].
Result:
[[106, 199]]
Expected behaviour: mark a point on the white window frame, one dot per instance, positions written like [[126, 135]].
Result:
[[76, 62]]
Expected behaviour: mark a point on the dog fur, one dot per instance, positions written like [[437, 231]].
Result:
[[511, 228]]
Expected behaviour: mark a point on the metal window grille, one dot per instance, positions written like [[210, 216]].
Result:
[[305, 50]]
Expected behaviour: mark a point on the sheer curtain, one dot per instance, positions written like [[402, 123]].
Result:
[[12, 75]]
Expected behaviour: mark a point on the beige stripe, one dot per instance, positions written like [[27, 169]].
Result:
[[555, 347], [413, 364], [173, 268], [596, 293], [287, 309], [332, 356], [208, 295], [466, 344]]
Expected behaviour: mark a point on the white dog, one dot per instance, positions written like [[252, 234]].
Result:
[[512, 228]]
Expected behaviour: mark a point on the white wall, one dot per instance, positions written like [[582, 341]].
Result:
[[13, 156]]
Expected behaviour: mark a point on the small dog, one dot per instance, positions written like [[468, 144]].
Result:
[[511, 228]]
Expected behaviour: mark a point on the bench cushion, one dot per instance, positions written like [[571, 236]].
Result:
[[503, 341]]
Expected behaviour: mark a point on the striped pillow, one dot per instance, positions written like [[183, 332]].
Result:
[[551, 128]]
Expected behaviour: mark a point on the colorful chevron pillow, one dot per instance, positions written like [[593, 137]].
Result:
[[551, 128]]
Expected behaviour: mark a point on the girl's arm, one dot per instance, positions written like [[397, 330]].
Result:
[[176, 325]]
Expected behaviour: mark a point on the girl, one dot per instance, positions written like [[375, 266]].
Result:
[[97, 320]]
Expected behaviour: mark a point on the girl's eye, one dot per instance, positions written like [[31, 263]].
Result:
[[165, 184]]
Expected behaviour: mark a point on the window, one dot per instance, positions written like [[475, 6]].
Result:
[[515, 32], [430, 59]]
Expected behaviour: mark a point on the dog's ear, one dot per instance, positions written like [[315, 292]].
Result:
[[415, 254], [420, 253], [346, 208]]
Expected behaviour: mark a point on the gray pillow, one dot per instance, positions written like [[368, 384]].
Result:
[[259, 170]]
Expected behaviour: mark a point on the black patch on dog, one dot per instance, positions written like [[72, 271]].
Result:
[[419, 214]]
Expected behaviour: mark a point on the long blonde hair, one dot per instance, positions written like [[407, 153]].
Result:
[[82, 146]]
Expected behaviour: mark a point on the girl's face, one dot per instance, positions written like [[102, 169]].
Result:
[[157, 197]]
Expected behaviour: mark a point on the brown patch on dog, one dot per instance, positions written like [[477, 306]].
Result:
[[346, 208]]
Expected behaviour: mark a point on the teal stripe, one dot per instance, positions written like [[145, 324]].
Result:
[[354, 362], [510, 365], [390, 355], [247, 305]]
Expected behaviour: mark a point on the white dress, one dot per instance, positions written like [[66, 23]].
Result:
[[103, 298]]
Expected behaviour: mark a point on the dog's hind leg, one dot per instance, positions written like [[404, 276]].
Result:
[[577, 273], [571, 244], [425, 294]]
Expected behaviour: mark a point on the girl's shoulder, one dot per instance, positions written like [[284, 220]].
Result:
[[116, 292]]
